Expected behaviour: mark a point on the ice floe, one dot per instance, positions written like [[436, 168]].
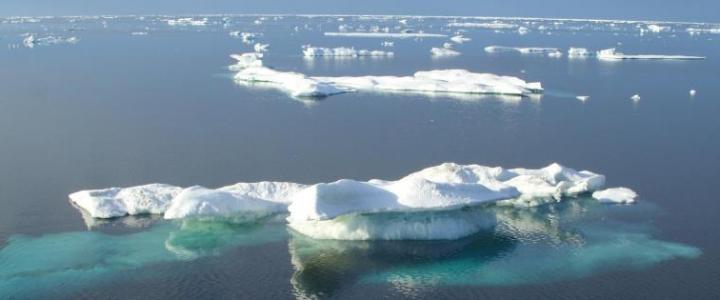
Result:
[[30, 40], [483, 25], [552, 52], [251, 71], [459, 39], [635, 98], [615, 195], [693, 93], [259, 47], [578, 53], [309, 51], [118, 202], [612, 54], [187, 22], [445, 51], [400, 35]]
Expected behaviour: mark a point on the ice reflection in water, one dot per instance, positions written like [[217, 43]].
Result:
[[573, 239]]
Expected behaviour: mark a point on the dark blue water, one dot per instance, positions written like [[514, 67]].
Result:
[[120, 110]]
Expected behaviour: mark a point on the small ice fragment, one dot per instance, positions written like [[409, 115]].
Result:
[[635, 98], [443, 52], [583, 98], [459, 39], [612, 54], [260, 47], [388, 44], [692, 93], [187, 22], [615, 195], [139, 33], [578, 53]]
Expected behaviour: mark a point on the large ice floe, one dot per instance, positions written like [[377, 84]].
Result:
[[612, 54], [251, 71], [310, 52], [447, 201]]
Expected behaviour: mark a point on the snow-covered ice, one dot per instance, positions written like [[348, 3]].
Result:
[[443, 52], [259, 47], [635, 97], [400, 35], [693, 93], [582, 98], [30, 40], [615, 195], [250, 71], [612, 54], [118, 202], [187, 22], [552, 52], [459, 39], [578, 52], [483, 25], [309, 51]]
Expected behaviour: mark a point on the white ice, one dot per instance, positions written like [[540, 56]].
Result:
[[118, 202], [259, 48], [400, 35], [30, 40], [635, 98], [578, 53], [309, 51], [483, 25], [612, 54], [187, 22], [552, 52], [459, 39], [251, 71], [615, 195], [444, 187], [443, 52]]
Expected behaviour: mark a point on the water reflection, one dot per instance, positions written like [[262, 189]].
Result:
[[572, 239]]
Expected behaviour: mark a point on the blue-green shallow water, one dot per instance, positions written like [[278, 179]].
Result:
[[565, 241], [120, 110]]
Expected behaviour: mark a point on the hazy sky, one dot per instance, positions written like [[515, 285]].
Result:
[[675, 10]]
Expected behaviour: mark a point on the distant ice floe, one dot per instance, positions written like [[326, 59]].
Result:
[[310, 52], [551, 52], [578, 53], [247, 37], [484, 25], [138, 33], [615, 195], [30, 40], [187, 22], [459, 39], [417, 206], [259, 47], [612, 54], [655, 28], [445, 51], [399, 35], [250, 70], [693, 30]]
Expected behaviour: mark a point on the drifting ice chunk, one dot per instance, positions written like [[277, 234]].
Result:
[[484, 25], [437, 81], [459, 39], [386, 34], [583, 98], [635, 98], [443, 52], [118, 202], [552, 52], [246, 60], [611, 54], [693, 93], [578, 53], [388, 44], [703, 30], [187, 22], [309, 51], [30, 41], [657, 28], [260, 47], [615, 195]]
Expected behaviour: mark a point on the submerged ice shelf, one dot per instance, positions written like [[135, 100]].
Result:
[[413, 207], [251, 70]]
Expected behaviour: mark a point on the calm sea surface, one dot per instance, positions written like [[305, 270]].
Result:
[[116, 109]]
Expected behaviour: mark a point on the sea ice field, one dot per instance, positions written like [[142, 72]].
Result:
[[358, 156]]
